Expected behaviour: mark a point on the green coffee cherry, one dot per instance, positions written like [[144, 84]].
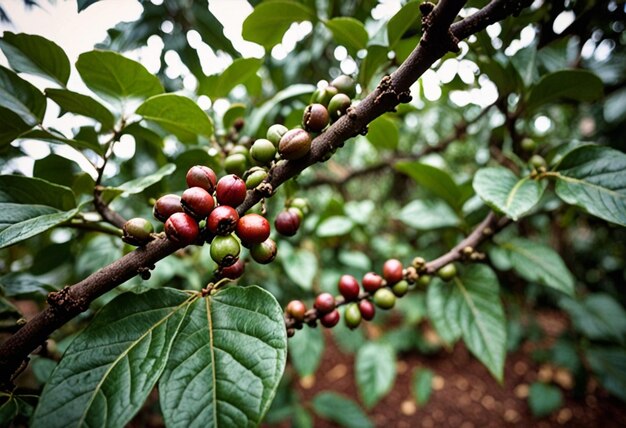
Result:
[[423, 280], [447, 272], [236, 164], [225, 250], [263, 151], [338, 106], [265, 252], [352, 316], [400, 288], [323, 96], [136, 231], [537, 161], [255, 177], [528, 144], [384, 298], [345, 85], [301, 204], [275, 133]]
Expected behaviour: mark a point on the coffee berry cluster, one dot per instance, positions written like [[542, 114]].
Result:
[[361, 300]]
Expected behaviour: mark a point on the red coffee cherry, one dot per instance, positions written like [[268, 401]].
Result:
[[392, 271], [197, 202], [252, 229], [371, 282], [265, 252], [222, 220], [368, 310], [201, 176], [182, 229], [295, 144], [231, 190], [234, 271], [324, 303], [165, 206], [330, 319], [315, 118], [287, 222], [349, 287], [296, 309]]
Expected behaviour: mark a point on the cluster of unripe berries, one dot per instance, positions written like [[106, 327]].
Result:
[[362, 299]]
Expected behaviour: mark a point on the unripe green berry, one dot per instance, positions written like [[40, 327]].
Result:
[[345, 85], [265, 252], [236, 164], [338, 106], [263, 151], [528, 144], [295, 144], [447, 272], [352, 316], [315, 118], [225, 250], [275, 133], [137, 231], [323, 96], [301, 204], [384, 298], [400, 288], [423, 280], [255, 177], [537, 161]]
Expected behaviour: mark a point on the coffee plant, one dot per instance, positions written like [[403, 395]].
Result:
[[456, 165]]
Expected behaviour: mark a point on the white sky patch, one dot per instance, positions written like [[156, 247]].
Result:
[[386, 9], [563, 21]]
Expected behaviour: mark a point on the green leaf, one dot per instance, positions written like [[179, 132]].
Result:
[[227, 361], [178, 115], [267, 24], [22, 98], [35, 191], [84, 4], [55, 137], [375, 371], [336, 225], [375, 58], [348, 32], [11, 126], [422, 385], [594, 178], [575, 85], [11, 213], [472, 304], [83, 105], [428, 215], [300, 265], [219, 85], [599, 317], [110, 368], [116, 77], [29, 53], [340, 409], [383, 133], [32, 226], [402, 21], [544, 399], [305, 350], [139, 184], [539, 263], [436, 180], [500, 189], [609, 365], [20, 285]]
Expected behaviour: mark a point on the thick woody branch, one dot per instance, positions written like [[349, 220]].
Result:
[[392, 90]]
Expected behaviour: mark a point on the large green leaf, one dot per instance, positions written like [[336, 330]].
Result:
[[375, 371], [340, 409], [29, 53], [111, 367], [539, 263], [83, 105], [336, 225], [219, 85], [22, 98], [472, 304], [11, 213], [436, 180], [348, 32], [29, 227], [178, 115], [269, 21], [305, 350], [403, 20], [35, 191], [598, 316], [11, 126], [505, 193], [383, 133], [139, 184], [594, 177], [609, 365], [428, 215], [116, 77], [375, 58], [55, 137], [227, 361], [576, 85]]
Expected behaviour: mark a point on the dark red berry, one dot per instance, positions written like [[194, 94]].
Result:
[[234, 271], [182, 228], [265, 252], [368, 310], [330, 319], [201, 176], [231, 190], [315, 118], [252, 229], [392, 271], [165, 206], [287, 222], [296, 309], [222, 220], [324, 303], [372, 282], [197, 202], [349, 287]]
